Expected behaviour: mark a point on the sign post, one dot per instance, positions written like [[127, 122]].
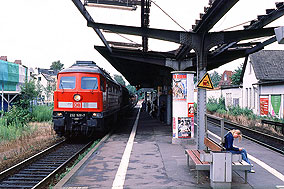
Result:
[[183, 106]]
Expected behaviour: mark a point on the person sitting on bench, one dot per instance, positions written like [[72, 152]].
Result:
[[229, 140]]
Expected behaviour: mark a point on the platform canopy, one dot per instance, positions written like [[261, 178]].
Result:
[[145, 68]]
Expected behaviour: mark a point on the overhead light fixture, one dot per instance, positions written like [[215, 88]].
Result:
[[130, 8]]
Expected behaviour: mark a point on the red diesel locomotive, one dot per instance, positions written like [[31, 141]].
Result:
[[87, 100]]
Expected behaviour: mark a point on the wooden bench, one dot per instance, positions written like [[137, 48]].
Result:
[[199, 165]]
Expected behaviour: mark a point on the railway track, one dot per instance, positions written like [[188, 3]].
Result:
[[269, 141], [39, 170]]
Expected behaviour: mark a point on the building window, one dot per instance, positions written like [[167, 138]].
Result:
[[225, 77], [246, 97], [250, 98], [39, 78], [236, 102], [228, 99]]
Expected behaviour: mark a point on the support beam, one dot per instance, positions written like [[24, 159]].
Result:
[[88, 17], [261, 45], [167, 35], [218, 9]]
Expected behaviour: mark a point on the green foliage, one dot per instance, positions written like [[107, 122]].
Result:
[[42, 113], [119, 79], [29, 92], [213, 104], [236, 111], [56, 65], [215, 78], [236, 77], [131, 89], [17, 116], [12, 131]]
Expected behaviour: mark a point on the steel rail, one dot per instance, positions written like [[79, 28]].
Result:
[[46, 164], [22, 164], [229, 125]]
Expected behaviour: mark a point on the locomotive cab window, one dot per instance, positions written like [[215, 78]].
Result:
[[67, 82], [89, 83]]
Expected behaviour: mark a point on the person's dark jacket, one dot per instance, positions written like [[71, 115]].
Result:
[[229, 139]]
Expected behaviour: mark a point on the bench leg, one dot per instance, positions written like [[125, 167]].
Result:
[[197, 177], [187, 160], [246, 177]]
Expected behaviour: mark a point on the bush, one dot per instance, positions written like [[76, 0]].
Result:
[[214, 105], [236, 111], [18, 116], [42, 113], [13, 130]]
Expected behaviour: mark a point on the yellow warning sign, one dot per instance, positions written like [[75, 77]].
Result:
[[205, 82]]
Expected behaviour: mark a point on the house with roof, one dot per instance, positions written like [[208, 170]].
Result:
[[47, 84], [226, 78], [12, 76], [263, 83]]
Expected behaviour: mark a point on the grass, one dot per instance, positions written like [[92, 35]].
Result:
[[13, 131], [23, 144], [42, 113], [14, 124]]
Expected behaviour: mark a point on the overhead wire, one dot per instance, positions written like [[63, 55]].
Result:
[[165, 14], [168, 15], [237, 25]]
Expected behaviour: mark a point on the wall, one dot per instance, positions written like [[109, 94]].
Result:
[[250, 92], [269, 91]]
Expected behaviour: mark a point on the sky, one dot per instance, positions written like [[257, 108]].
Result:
[[39, 32]]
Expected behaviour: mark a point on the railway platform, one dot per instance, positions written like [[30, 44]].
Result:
[[139, 154]]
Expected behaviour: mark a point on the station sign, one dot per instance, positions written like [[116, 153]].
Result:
[[205, 82]]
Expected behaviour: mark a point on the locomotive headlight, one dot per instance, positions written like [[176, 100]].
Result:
[[77, 97], [59, 114], [97, 115]]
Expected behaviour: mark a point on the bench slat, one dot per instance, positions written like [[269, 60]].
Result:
[[212, 145], [197, 154], [193, 157]]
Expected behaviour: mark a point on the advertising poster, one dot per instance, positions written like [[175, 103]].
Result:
[[190, 107], [183, 106], [174, 127], [184, 127], [179, 87], [264, 102], [275, 103]]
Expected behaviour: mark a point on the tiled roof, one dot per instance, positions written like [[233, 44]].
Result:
[[268, 65]]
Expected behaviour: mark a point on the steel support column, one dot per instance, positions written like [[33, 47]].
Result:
[[201, 54]]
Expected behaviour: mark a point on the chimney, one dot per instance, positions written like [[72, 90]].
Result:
[[18, 62], [3, 58]]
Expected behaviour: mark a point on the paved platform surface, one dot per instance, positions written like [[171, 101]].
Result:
[[154, 162]]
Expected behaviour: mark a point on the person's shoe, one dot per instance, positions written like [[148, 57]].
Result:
[[252, 171]]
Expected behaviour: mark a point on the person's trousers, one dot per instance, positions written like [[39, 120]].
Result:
[[244, 154]]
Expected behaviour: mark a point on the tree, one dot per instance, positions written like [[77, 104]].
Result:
[[29, 92], [215, 78], [236, 77], [56, 66], [131, 89], [119, 79]]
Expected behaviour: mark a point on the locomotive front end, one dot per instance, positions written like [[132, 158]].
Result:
[[78, 104]]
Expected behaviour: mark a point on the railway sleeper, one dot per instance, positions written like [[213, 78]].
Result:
[[15, 186], [35, 178], [20, 182], [29, 175], [43, 167], [46, 164]]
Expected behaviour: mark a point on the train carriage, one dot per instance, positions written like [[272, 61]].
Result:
[[86, 101]]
